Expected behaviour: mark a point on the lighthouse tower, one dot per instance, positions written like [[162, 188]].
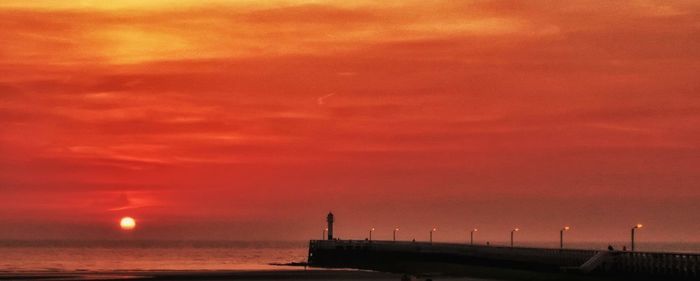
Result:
[[329, 219]]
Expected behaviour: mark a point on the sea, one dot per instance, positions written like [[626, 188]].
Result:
[[89, 256], [146, 255]]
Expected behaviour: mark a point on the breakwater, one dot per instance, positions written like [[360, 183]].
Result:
[[452, 258]]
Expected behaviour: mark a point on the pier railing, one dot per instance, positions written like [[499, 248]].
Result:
[[655, 263]]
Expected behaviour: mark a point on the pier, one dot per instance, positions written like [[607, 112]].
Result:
[[453, 258], [501, 261]]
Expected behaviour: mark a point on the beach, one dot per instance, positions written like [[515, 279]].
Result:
[[257, 275]]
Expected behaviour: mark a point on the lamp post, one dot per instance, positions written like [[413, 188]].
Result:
[[639, 225], [431, 234], [471, 236], [561, 236], [323, 236], [370, 233], [396, 229], [511, 235]]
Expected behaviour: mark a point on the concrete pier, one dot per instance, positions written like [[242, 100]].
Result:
[[451, 258]]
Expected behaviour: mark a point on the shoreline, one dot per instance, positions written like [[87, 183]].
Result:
[[203, 275]]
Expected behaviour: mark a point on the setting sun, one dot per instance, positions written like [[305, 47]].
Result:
[[127, 223]]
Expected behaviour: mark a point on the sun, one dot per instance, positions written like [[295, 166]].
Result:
[[127, 223]]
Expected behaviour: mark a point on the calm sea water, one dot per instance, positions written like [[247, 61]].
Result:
[[26, 256]]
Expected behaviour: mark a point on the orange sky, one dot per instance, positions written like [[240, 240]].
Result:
[[247, 121]]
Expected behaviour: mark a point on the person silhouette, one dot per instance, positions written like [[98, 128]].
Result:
[[610, 248]]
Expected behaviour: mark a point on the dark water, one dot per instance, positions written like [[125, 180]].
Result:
[[24, 256]]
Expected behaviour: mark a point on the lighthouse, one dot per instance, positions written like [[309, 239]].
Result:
[[329, 219]]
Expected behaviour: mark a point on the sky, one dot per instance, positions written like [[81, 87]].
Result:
[[249, 121]]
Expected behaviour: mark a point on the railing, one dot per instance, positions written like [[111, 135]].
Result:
[[654, 263]]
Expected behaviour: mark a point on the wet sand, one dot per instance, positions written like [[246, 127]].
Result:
[[314, 274]]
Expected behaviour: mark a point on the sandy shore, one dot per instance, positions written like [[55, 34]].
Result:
[[215, 275]]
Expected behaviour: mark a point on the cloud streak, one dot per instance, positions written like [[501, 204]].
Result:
[[210, 110]]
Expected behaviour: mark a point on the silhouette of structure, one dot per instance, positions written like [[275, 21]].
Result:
[[500, 262], [329, 219]]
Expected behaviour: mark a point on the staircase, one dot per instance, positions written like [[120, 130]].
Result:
[[594, 262]]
